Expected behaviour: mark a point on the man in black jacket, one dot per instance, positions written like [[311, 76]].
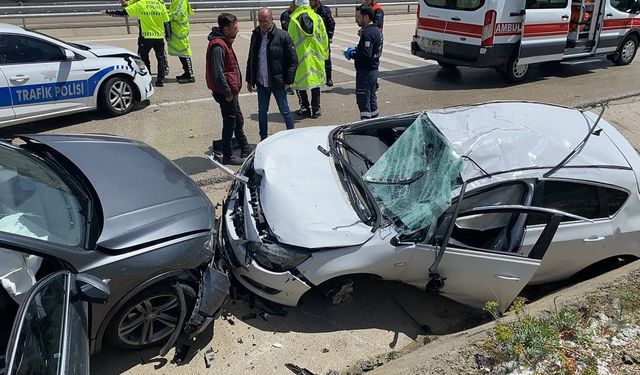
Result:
[[271, 68], [330, 24]]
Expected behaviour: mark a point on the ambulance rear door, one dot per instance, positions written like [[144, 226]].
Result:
[[545, 31]]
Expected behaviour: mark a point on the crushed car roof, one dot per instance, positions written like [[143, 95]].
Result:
[[510, 136]]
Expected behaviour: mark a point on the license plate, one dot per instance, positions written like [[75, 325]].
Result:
[[434, 46]]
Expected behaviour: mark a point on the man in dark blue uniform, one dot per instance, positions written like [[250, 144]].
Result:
[[366, 58]]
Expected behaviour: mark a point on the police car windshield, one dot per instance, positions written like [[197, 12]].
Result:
[[79, 46]]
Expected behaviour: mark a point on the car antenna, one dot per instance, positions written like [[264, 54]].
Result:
[[581, 145]]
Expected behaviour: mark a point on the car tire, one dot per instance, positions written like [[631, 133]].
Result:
[[514, 73], [117, 96], [155, 311], [627, 51], [445, 65]]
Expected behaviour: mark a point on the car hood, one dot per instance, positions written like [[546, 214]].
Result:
[[300, 194], [144, 197], [102, 50]]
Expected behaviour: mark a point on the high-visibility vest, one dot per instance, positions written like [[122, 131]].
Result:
[[179, 12], [312, 49]]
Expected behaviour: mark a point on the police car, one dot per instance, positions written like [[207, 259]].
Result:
[[43, 77]]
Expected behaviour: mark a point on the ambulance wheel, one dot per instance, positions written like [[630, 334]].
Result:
[[445, 65], [514, 72], [117, 96], [627, 51]]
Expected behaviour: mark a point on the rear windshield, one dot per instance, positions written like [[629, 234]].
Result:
[[456, 4]]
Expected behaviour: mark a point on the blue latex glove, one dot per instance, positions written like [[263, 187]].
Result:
[[349, 53]]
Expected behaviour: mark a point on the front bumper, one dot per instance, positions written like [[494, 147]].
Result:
[[284, 288], [212, 296], [145, 86]]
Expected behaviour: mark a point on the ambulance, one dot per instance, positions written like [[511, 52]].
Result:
[[510, 35]]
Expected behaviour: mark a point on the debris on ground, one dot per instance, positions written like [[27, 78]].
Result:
[[276, 345], [265, 316], [325, 350], [181, 354], [298, 370], [208, 357], [240, 341]]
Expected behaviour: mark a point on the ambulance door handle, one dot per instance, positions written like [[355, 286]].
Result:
[[516, 14], [565, 17], [609, 14], [456, 19], [20, 78]]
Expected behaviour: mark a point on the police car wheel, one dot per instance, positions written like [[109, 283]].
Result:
[[627, 51], [514, 72], [117, 96]]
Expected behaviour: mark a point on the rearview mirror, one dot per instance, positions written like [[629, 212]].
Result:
[[92, 289], [69, 55]]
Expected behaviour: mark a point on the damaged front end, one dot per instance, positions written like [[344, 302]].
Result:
[[248, 248]]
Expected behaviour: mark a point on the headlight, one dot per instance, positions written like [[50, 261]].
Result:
[[277, 257], [140, 64]]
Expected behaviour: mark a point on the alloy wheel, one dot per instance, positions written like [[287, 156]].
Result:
[[150, 321], [121, 96]]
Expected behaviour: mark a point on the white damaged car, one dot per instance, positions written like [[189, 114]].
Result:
[[471, 202], [43, 77]]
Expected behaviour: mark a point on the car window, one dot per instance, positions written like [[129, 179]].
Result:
[[35, 202], [572, 197], [627, 6], [20, 49], [615, 200], [39, 340], [546, 4], [456, 4]]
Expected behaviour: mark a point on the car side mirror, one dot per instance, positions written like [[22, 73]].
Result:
[[92, 289], [69, 55]]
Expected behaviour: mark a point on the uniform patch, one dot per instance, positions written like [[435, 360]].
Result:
[[367, 44]]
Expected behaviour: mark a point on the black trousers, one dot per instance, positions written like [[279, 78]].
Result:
[[232, 123], [145, 46], [327, 65], [303, 98]]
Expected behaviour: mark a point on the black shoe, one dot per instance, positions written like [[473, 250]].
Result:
[[246, 151], [330, 83], [187, 79], [159, 83], [316, 113], [290, 91], [232, 160], [306, 112]]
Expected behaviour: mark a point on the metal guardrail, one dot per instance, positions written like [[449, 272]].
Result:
[[25, 12]]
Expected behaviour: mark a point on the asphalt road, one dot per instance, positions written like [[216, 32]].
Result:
[[182, 120]]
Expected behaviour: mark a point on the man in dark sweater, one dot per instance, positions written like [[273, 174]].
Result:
[[366, 58], [330, 24], [225, 81], [271, 68]]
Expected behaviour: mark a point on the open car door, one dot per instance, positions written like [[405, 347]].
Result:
[[480, 261], [49, 335]]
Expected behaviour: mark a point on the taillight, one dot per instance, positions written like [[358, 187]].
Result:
[[489, 28], [417, 20]]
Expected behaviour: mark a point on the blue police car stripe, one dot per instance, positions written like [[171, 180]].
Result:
[[46, 92]]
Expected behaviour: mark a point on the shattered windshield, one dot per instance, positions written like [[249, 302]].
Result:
[[412, 181]]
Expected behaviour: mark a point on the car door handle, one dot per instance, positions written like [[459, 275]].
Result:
[[507, 277], [565, 17], [609, 14], [594, 239], [456, 19], [20, 78]]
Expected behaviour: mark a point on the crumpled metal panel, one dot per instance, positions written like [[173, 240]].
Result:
[[413, 180]]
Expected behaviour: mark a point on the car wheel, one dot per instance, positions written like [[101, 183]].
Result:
[[627, 51], [514, 72], [445, 65], [149, 318], [117, 96]]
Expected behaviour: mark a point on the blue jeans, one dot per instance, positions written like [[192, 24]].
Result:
[[264, 96]]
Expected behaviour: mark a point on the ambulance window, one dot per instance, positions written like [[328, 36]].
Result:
[[546, 4], [627, 6], [17, 49], [456, 4]]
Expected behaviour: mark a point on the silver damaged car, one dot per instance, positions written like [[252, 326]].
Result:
[[471, 202]]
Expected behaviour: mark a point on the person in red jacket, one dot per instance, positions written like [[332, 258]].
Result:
[[225, 81]]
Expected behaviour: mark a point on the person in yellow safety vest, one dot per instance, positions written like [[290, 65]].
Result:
[[179, 44], [311, 43], [154, 27]]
